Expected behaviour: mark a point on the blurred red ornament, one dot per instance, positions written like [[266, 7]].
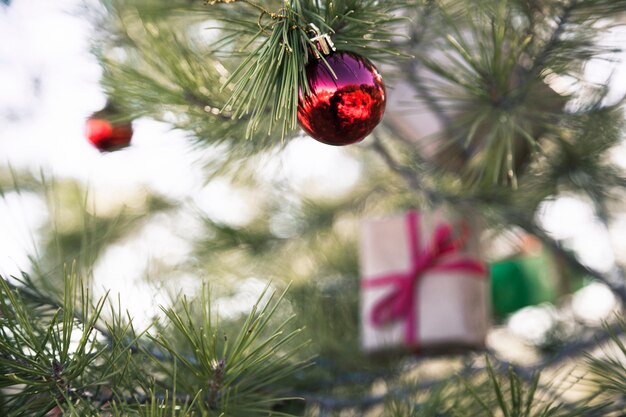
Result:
[[107, 136], [344, 109], [55, 412]]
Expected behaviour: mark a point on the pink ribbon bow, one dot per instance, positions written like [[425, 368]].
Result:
[[401, 302]]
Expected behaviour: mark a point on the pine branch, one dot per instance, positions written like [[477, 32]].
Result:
[[363, 403], [608, 370], [29, 291], [615, 280], [243, 379], [271, 76], [267, 84], [48, 362], [240, 365], [490, 93], [512, 380], [527, 373], [579, 347]]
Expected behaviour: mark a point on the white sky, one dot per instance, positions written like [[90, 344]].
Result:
[[43, 41]]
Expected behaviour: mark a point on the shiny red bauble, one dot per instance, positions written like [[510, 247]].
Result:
[[107, 136], [345, 107]]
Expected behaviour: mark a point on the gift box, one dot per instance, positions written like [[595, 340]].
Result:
[[423, 286], [520, 282], [531, 276]]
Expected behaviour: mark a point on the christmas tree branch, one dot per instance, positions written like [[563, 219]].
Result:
[[362, 403], [101, 373], [29, 291], [514, 374], [504, 367], [527, 373], [608, 370], [485, 102], [615, 281], [272, 74], [49, 361]]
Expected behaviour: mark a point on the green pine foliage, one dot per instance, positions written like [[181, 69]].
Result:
[[495, 392], [66, 356], [608, 370]]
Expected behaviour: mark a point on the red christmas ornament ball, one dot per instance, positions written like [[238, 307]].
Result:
[[345, 107], [107, 136]]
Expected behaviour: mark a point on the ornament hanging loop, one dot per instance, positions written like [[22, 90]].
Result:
[[324, 45]]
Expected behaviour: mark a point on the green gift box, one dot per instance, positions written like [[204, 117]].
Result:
[[522, 281]]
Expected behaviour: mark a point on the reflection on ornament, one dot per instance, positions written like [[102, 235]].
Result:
[[343, 107]]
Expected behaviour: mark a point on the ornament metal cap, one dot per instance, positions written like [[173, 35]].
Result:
[[324, 45]]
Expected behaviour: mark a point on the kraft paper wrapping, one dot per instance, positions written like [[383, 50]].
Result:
[[452, 307]]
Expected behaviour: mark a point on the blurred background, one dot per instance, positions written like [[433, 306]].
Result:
[[156, 219], [50, 85]]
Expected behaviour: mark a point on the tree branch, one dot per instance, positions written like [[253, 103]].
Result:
[[615, 281]]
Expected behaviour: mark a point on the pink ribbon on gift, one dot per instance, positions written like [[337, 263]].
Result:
[[401, 302]]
